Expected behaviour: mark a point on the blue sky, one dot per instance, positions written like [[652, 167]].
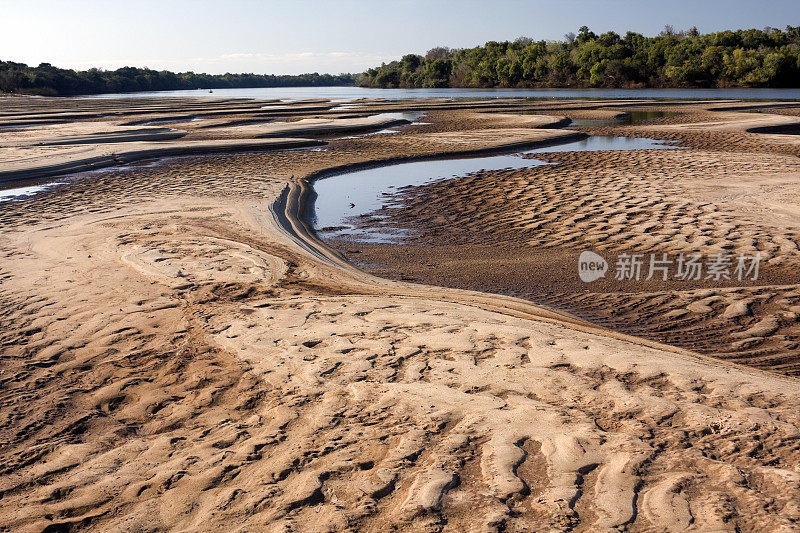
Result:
[[328, 36]]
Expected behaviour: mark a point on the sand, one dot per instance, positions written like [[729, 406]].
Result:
[[178, 351], [520, 232]]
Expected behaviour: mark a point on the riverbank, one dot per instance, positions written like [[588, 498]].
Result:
[[180, 351]]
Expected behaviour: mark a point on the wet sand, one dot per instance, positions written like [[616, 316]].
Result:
[[520, 232], [179, 351]]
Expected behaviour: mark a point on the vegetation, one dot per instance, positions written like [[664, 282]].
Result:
[[742, 58], [52, 81]]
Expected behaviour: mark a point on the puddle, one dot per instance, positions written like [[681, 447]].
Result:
[[411, 116], [380, 132], [594, 122], [602, 142], [26, 191], [167, 121], [343, 197], [21, 193], [631, 118]]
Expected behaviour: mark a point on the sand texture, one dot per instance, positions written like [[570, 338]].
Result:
[[180, 351]]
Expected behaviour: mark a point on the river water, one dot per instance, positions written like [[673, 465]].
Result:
[[352, 93]]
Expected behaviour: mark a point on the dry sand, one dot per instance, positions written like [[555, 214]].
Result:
[[179, 352]]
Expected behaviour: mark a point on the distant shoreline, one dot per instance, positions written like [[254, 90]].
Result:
[[346, 93]]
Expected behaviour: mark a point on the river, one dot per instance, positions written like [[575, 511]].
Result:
[[352, 93]]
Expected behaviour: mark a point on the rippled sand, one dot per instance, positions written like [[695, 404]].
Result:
[[179, 352]]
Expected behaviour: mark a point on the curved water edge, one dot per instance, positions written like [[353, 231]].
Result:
[[289, 217], [308, 214], [345, 197]]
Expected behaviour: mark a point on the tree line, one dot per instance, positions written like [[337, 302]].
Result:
[[53, 81], [741, 58]]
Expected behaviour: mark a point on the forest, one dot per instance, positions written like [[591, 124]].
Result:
[[741, 58], [48, 80]]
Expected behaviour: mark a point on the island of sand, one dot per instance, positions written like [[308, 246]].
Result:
[[180, 350]]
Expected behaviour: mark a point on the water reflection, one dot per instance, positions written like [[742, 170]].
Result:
[[343, 198]]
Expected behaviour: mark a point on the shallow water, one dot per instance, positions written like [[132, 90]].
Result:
[[11, 192], [168, 121], [358, 193], [411, 116], [631, 118], [379, 132], [351, 93], [21, 193], [594, 143]]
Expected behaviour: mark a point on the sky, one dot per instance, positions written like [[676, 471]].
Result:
[[292, 37]]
